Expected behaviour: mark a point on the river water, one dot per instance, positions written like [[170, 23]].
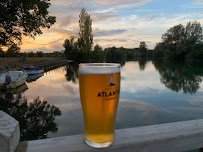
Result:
[[151, 93]]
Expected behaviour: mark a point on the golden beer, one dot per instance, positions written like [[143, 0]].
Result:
[[99, 93]]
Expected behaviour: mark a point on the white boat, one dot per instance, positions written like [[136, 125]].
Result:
[[12, 79], [32, 70]]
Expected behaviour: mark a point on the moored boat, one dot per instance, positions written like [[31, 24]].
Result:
[[32, 78], [30, 70], [12, 79], [19, 89]]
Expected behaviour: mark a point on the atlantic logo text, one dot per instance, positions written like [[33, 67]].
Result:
[[108, 94]]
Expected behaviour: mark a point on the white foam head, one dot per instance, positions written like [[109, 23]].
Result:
[[99, 68]]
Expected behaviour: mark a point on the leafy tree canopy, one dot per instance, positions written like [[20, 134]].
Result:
[[23, 17], [97, 48], [85, 31], [13, 50], [191, 34], [179, 41], [142, 45]]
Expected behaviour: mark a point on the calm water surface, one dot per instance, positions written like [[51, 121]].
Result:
[[151, 93]]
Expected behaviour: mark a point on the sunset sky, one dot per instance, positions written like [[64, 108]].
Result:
[[116, 22]]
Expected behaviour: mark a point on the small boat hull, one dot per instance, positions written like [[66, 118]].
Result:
[[31, 78], [19, 89], [16, 84]]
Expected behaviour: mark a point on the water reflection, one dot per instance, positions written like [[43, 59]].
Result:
[[144, 100], [12, 91], [179, 76], [134, 113], [142, 63], [36, 119], [72, 71]]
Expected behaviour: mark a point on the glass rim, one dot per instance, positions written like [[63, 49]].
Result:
[[103, 65]]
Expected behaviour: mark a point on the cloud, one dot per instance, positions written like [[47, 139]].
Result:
[[67, 16], [104, 16], [126, 3], [64, 21], [115, 23], [43, 49], [198, 2], [98, 32], [62, 32], [110, 40], [153, 17], [96, 4]]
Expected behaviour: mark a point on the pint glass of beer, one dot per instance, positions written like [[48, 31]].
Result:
[[99, 94]]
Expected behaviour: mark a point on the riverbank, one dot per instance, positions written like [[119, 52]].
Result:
[[15, 63]]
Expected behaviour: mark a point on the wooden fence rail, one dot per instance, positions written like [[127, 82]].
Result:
[[170, 137]]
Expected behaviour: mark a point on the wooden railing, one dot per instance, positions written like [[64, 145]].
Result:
[[170, 137]]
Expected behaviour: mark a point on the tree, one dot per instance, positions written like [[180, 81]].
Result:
[[13, 51], [85, 32], [69, 47], [31, 54], [143, 49], [39, 54], [23, 17], [79, 51], [97, 55], [72, 50], [143, 45], [97, 48], [2, 53], [180, 40], [174, 39], [193, 33], [117, 55], [159, 50]]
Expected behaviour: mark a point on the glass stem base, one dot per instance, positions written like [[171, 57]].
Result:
[[98, 145]]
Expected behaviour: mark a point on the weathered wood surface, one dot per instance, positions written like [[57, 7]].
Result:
[[171, 137], [9, 133]]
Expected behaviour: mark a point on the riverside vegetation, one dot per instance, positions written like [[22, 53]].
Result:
[[178, 43]]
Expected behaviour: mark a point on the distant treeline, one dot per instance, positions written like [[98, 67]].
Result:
[[15, 52], [178, 43], [111, 54]]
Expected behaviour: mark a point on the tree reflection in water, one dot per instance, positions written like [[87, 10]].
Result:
[[72, 71], [179, 76], [36, 119], [142, 63]]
